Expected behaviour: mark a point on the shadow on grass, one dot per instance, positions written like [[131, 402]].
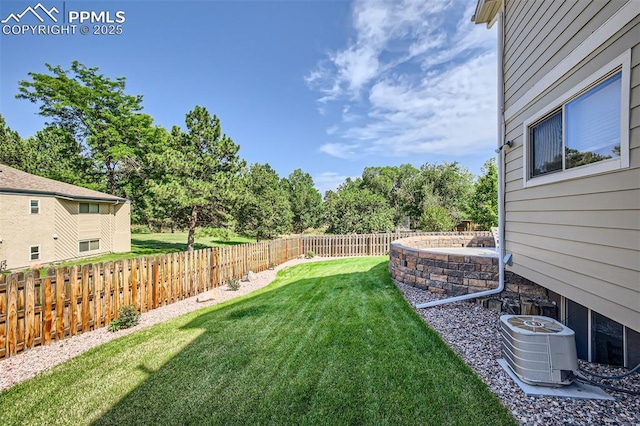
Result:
[[149, 247], [338, 349]]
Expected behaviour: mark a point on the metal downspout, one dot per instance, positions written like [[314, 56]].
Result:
[[501, 160]]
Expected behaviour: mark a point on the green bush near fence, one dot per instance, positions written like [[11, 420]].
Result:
[[128, 317]]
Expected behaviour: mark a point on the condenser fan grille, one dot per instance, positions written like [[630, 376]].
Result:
[[534, 324]]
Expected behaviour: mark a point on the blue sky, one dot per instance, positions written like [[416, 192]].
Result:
[[330, 87]]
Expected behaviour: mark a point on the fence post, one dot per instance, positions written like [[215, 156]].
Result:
[[217, 266], [59, 303], [117, 265], [134, 283], [85, 298], [29, 308], [106, 275], [97, 302], [12, 315], [126, 294], [150, 287], [48, 307]]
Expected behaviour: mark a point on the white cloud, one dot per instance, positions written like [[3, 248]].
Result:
[[418, 78], [340, 150], [331, 130], [329, 181]]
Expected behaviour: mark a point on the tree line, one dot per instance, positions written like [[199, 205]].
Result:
[[98, 136]]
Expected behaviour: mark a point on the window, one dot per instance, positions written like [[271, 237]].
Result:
[[585, 131], [607, 340], [88, 245], [89, 208], [34, 206], [599, 338], [34, 253]]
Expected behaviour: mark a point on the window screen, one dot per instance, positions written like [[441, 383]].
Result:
[[593, 124], [546, 145]]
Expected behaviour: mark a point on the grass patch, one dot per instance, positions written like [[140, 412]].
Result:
[[326, 343], [155, 244]]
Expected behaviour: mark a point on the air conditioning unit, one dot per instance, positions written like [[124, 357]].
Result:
[[539, 350]]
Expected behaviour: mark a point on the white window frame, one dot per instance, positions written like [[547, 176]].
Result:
[[88, 241], [89, 204], [31, 253], [623, 63], [31, 207]]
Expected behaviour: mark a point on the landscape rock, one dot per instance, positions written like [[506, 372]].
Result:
[[250, 277]]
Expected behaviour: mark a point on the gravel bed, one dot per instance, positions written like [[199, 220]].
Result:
[[473, 332]]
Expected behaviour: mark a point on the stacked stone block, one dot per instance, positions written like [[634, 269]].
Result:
[[455, 275]]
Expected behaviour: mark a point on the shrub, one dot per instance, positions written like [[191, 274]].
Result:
[[310, 254], [234, 284], [223, 234], [140, 229], [127, 317], [436, 219]]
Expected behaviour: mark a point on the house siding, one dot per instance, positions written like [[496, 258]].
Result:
[[122, 228], [66, 224], [106, 220], [20, 230], [546, 34], [579, 238], [60, 218]]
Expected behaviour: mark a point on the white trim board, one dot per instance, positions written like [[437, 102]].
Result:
[[622, 17]]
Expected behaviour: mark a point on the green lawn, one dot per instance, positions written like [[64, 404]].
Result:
[[160, 243], [332, 343]]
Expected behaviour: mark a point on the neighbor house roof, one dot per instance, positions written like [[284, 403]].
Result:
[[18, 182], [486, 11]]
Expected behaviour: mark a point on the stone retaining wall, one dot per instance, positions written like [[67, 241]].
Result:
[[441, 272], [462, 239], [454, 275]]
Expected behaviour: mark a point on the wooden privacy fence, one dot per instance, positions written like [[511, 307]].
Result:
[[35, 310], [355, 244]]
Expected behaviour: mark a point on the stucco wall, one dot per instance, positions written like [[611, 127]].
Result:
[[19, 230]]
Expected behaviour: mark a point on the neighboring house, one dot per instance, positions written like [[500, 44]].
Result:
[[43, 220], [570, 71]]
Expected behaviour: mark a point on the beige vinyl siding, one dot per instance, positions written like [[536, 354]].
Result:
[[88, 226], [581, 237], [95, 226], [528, 60], [106, 219], [541, 272], [66, 225], [122, 231]]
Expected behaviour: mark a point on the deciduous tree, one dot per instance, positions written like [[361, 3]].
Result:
[[305, 200], [484, 201], [354, 209], [263, 208], [96, 112]]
